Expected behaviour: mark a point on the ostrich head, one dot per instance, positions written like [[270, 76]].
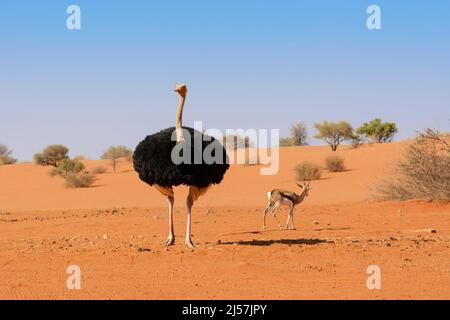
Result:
[[181, 89]]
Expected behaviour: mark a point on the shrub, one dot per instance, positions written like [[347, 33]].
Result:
[[116, 152], [334, 133], [5, 155], [286, 142], [356, 141], [306, 171], [79, 157], [299, 134], [378, 131], [98, 170], [423, 173], [66, 167], [79, 180], [334, 163], [234, 142], [51, 155]]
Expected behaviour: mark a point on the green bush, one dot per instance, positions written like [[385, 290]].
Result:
[[334, 163], [306, 171], [66, 167], [378, 131], [51, 155], [334, 133], [79, 180]]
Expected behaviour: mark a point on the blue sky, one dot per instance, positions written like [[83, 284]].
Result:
[[248, 64]]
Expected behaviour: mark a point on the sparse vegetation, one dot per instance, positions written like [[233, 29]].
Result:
[[52, 155], [423, 173], [356, 141], [306, 171], [116, 152], [334, 163], [378, 131], [286, 142], [234, 142], [79, 180], [5, 155], [299, 134], [67, 167], [334, 133], [98, 170], [79, 157]]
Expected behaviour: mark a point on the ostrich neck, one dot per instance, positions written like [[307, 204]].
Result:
[[179, 120]]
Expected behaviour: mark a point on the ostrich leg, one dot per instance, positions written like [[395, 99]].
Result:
[[168, 192], [171, 238], [189, 203], [194, 194]]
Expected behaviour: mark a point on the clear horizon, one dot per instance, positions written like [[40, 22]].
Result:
[[247, 65]]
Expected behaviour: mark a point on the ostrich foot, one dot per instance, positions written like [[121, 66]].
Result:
[[264, 228], [189, 243], [170, 241], [281, 226]]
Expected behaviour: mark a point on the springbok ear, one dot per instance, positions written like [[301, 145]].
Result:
[[301, 187]]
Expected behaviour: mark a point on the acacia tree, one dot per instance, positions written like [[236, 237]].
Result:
[[334, 133], [299, 134], [5, 155], [115, 152], [52, 155], [378, 131]]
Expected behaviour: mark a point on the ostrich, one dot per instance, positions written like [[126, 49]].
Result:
[[153, 162]]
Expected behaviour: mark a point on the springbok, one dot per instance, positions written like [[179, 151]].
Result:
[[277, 197]]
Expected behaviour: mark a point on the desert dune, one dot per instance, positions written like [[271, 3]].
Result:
[[114, 231]]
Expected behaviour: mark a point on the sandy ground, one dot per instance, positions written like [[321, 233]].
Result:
[[114, 233]]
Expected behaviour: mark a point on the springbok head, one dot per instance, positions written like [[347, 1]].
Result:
[[306, 188]]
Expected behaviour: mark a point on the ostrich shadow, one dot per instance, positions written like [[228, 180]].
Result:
[[279, 241]]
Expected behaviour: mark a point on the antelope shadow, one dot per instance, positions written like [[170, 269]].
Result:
[[263, 243]]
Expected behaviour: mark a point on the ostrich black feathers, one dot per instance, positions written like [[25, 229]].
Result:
[[152, 160]]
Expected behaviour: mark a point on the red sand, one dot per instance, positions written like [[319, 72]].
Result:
[[45, 227]]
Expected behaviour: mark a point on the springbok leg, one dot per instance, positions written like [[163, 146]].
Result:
[[274, 213]]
